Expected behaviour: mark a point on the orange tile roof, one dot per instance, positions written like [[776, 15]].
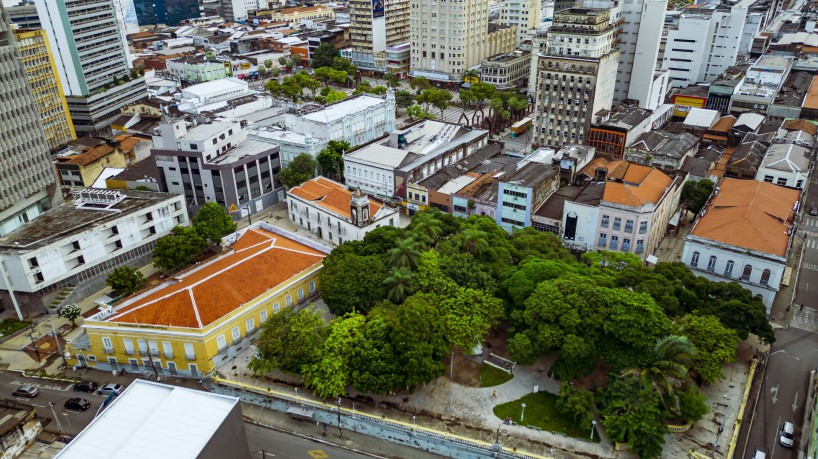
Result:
[[127, 142], [330, 195], [616, 169], [724, 124], [87, 156], [260, 261], [801, 125], [749, 214], [811, 99], [641, 185]]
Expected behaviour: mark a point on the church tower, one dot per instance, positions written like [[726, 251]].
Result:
[[359, 208]]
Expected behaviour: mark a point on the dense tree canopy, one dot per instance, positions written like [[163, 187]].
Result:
[[323, 56], [696, 193], [300, 169], [212, 222], [125, 280], [178, 248]]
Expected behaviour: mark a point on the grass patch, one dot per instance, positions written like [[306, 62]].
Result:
[[493, 376], [541, 411], [10, 326]]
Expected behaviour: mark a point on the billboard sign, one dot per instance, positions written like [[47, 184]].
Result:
[[377, 9], [682, 104]]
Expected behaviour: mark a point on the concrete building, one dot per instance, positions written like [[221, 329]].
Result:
[[297, 14], [197, 69], [101, 230], [574, 211], [24, 15], [28, 184], [761, 85], [785, 165], [577, 76], [335, 213], [398, 60], [523, 192], [191, 324], [153, 12], [809, 108], [662, 149], [44, 80], [240, 10], [449, 39], [19, 427], [145, 420], [374, 27], [91, 55], [613, 135], [507, 71], [523, 15], [216, 162], [390, 165], [290, 144], [80, 165], [744, 235]]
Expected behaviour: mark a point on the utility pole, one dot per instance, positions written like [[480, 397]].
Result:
[[340, 432], [57, 340], [56, 419]]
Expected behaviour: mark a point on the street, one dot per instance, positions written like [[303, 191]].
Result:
[[281, 445], [806, 291], [782, 394]]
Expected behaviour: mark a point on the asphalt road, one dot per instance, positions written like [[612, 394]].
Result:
[[281, 445], [782, 393]]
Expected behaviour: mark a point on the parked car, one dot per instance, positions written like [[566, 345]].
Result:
[[77, 404], [111, 388], [813, 211], [86, 386], [759, 455], [787, 435], [26, 391]]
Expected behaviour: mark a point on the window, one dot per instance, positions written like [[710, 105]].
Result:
[[168, 349], [640, 246], [617, 223], [300, 294], [748, 271], [251, 325], [768, 178], [728, 270], [799, 184], [614, 242], [288, 300], [782, 181], [236, 333], [263, 315], [106, 343], [603, 239], [276, 308], [694, 262], [312, 287], [189, 352], [605, 220], [765, 277], [629, 226], [626, 245], [643, 227], [711, 264], [221, 342]]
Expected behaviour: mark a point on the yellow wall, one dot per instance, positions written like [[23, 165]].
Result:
[[204, 341]]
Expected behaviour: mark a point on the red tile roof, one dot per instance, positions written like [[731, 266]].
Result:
[[260, 261], [749, 214], [330, 195]]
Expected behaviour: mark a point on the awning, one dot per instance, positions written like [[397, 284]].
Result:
[[674, 220]]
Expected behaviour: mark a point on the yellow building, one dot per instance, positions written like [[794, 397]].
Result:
[[81, 165], [201, 318], [45, 84]]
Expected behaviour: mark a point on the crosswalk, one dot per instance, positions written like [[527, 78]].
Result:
[[805, 316], [809, 221], [812, 243]]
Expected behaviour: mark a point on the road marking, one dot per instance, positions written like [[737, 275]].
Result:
[[795, 403], [775, 437], [317, 454], [42, 386], [774, 393], [810, 266]]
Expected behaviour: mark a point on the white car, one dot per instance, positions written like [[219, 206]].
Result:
[[787, 435], [759, 455]]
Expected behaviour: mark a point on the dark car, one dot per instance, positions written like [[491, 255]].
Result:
[[77, 404], [26, 391], [86, 386]]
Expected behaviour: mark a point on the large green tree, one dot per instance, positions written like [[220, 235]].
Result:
[[323, 56], [373, 362], [330, 375], [331, 158], [397, 284], [352, 282], [212, 222], [715, 345], [125, 280], [468, 316], [289, 341], [671, 361], [298, 171], [405, 254], [696, 193], [631, 414], [180, 247]]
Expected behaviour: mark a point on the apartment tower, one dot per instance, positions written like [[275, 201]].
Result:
[[91, 56], [523, 14], [28, 184], [44, 80], [577, 75], [374, 26]]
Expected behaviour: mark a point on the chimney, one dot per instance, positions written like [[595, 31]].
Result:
[[601, 174]]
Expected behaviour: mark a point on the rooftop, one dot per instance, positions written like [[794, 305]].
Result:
[[724, 124], [639, 186], [344, 108], [772, 63], [627, 118], [665, 143], [456, 184], [531, 175], [750, 215], [259, 261], [87, 157], [143, 170], [787, 157], [555, 204], [383, 155], [213, 87], [811, 100], [330, 195], [801, 125], [701, 118], [751, 120], [12, 415], [66, 219], [152, 420]]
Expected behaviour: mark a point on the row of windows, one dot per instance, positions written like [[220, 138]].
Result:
[[728, 268], [617, 224]]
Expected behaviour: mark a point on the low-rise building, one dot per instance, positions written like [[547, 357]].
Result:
[[719, 134], [197, 69], [785, 165], [99, 231], [761, 84], [290, 144], [297, 14], [81, 163], [746, 123], [721, 91], [747, 157], [809, 108], [203, 317], [523, 192], [787, 103], [506, 71], [19, 427], [611, 137], [744, 235], [700, 120], [577, 208], [217, 162], [662, 149], [335, 213], [798, 132]]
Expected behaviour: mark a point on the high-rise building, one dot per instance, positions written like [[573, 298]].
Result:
[[28, 185], [374, 26], [640, 25], [44, 80], [577, 75], [24, 15], [449, 38], [150, 12], [524, 14], [90, 52]]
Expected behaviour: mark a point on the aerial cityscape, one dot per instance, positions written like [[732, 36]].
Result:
[[309, 229]]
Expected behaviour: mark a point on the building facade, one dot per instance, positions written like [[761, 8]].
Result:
[[190, 325], [524, 15], [44, 80], [91, 55], [375, 26], [197, 69], [217, 163], [744, 235], [523, 192], [28, 186], [507, 71], [335, 213], [577, 76], [785, 164]]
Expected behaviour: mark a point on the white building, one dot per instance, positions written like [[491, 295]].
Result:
[[290, 144], [761, 84], [785, 165], [229, 98], [522, 14], [355, 120], [744, 235], [101, 230], [335, 213]]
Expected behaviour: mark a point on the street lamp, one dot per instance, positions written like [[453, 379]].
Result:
[[522, 415], [593, 427]]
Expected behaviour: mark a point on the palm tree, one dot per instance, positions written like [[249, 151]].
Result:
[[471, 73], [405, 254], [427, 229], [673, 357], [398, 284], [474, 240]]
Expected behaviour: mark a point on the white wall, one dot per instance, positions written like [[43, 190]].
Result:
[[307, 216], [587, 218], [372, 179]]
